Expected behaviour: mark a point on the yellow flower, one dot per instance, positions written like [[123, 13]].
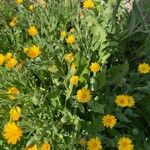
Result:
[[63, 34], [12, 133], [33, 51], [88, 4], [73, 67], [82, 142], [45, 146], [72, 30], [95, 67], [13, 92], [69, 57], [74, 80], [13, 22], [2, 59], [11, 63], [70, 39], [15, 113], [131, 101], [83, 95], [144, 68], [121, 100], [31, 7], [125, 143], [94, 144], [32, 147], [109, 121], [32, 31], [19, 1]]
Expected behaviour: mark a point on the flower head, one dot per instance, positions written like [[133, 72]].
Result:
[[69, 57], [12, 133], [2, 59], [121, 100], [88, 4], [144, 68], [63, 34], [74, 80], [94, 144], [15, 113], [83, 95], [125, 143], [13, 92], [13, 22], [33, 51], [11, 63], [32, 31], [109, 121], [31, 7], [45, 146], [131, 101], [32, 147], [19, 1], [95, 67], [70, 39]]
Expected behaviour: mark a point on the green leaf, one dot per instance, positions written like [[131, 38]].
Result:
[[116, 73], [96, 107]]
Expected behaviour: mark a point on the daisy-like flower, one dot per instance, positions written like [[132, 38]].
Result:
[[15, 113], [74, 80], [69, 57], [32, 31], [13, 22], [70, 39], [12, 133], [83, 95], [12, 92], [95, 67], [33, 51], [10, 60], [63, 34], [121, 100], [94, 144], [109, 121], [45, 146], [2, 59], [125, 143], [88, 4], [131, 101], [19, 1], [144, 68], [32, 147]]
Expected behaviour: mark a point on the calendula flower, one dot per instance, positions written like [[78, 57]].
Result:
[[74, 80], [12, 133], [131, 101], [95, 67], [125, 143], [11, 63], [33, 51], [19, 1], [32, 147], [88, 4], [83, 95], [83, 142], [32, 31], [12, 92], [69, 57], [121, 100], [63, 34], [31, 7], [70, 39], [13, 22], [45, 146], [15, 113], [94, 144], [109, 121], [144, 68], [2, 59]]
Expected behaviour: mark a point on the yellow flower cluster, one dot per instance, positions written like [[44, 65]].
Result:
[[144, 68], [33, 51], [9, 60], [44, 146], [125, 101]]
